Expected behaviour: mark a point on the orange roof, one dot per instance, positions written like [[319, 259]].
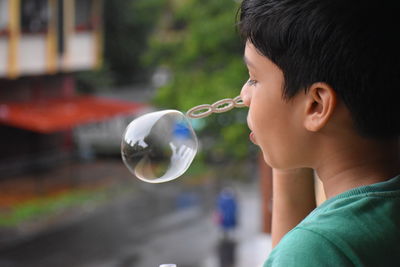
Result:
[[51, 115]]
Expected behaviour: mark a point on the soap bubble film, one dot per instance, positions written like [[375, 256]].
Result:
[[159, 146]]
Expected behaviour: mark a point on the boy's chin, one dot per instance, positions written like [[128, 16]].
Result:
[[268, 160], [279, 165]]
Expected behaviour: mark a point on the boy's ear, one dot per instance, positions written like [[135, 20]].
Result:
[[320, 104]]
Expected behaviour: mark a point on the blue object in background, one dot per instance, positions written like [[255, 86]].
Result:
[[227, 209], [181, 130]]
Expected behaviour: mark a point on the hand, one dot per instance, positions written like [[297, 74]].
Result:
[[181, 154], [293, 199]]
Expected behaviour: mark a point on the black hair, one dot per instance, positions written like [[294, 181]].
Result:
[[351, 45]]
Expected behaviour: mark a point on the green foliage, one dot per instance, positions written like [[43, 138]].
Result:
[[94, 80], [48, 206], [127, 27], [197, 41]]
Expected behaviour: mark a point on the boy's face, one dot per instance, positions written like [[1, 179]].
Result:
[[276, 124]]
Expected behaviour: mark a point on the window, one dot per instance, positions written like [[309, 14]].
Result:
[[34, 16], [83, 15], [3, 16]]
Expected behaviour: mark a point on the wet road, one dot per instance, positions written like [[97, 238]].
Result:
[[160, 224], [115, 237], [142, 230]]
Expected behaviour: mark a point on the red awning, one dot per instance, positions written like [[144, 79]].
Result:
[[51, 115]]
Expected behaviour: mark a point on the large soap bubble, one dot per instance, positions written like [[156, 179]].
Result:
[[160, 146]]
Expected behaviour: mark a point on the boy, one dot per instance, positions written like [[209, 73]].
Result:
[[323, 95]]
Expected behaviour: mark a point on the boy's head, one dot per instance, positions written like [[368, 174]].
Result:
[[352, 46]]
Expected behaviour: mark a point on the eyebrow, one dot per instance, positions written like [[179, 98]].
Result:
[[247, 61]]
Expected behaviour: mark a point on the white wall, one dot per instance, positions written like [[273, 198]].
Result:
[[81, 50], [3, 55], [32, 54]]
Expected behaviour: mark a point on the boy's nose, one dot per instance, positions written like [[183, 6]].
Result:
[[245, 94]]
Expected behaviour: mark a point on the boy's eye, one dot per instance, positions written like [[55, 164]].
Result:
[[251, 82]]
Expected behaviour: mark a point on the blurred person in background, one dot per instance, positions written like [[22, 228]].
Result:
[[226, 214], [227, 211]]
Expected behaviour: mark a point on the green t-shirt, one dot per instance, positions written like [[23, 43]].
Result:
[[360, 227]]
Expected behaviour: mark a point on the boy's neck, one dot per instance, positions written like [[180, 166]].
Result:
[[357, 162]]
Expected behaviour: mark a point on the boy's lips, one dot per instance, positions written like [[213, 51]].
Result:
[[252, 137]]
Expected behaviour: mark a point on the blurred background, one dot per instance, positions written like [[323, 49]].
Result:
[[73, 74]]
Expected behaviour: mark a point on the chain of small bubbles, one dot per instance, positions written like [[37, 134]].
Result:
[[220, 106]]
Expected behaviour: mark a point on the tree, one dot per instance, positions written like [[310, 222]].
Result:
[[197, 41], [127, 26]]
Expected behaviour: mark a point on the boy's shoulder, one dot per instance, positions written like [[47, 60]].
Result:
[[358, 227], [303, 247]]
